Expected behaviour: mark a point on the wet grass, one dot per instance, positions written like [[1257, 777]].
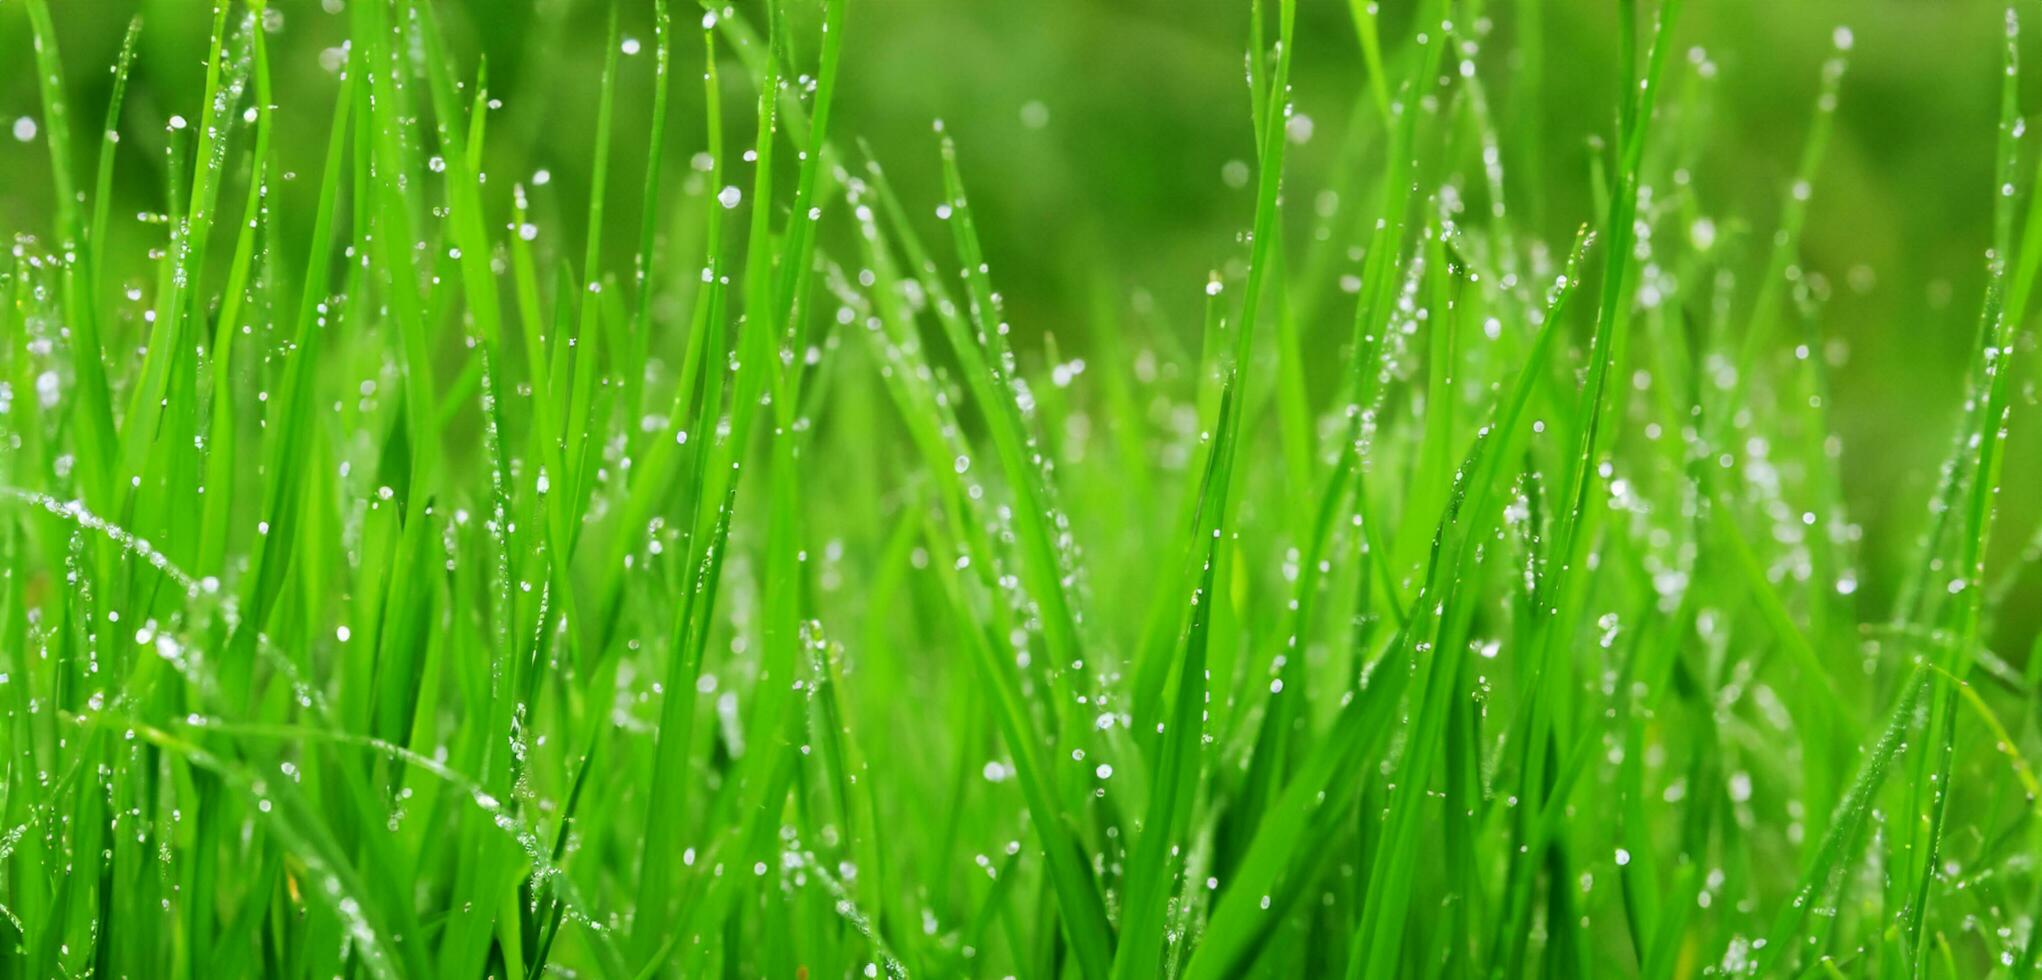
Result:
[[393, 584]]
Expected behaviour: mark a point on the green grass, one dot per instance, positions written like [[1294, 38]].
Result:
[[412, 565]]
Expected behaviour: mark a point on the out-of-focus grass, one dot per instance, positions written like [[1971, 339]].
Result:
[[1065, 489]]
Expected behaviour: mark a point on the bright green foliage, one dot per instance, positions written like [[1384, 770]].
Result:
[[396, 582]]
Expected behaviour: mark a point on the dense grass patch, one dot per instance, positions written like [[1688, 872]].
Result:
[[413, 565]]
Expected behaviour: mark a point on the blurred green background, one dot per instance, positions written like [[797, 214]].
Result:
[[1099, 138]]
